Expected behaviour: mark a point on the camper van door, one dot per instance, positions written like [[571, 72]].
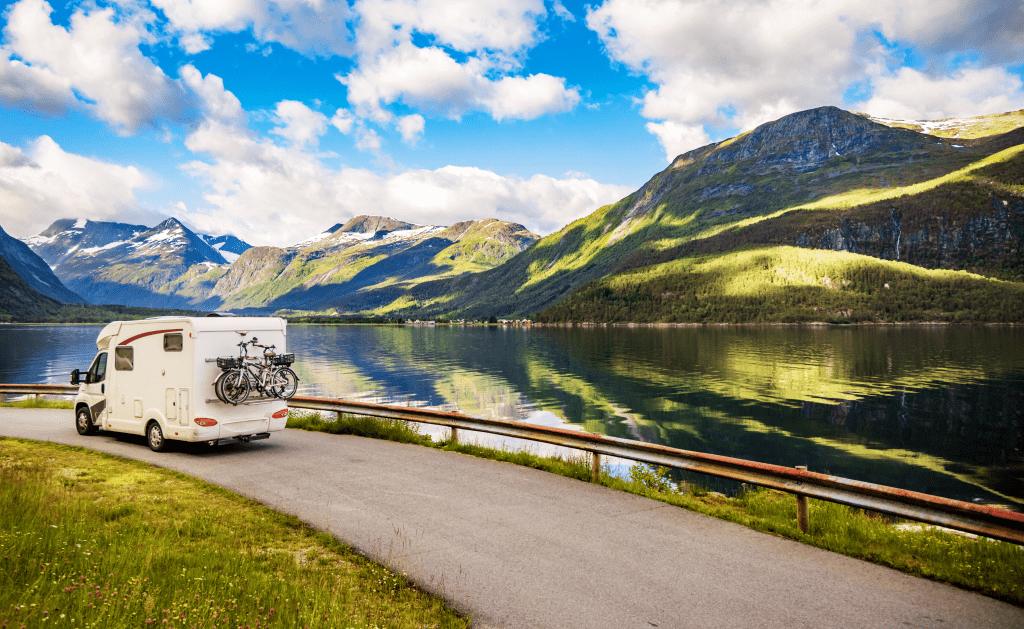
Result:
[[95, 387]]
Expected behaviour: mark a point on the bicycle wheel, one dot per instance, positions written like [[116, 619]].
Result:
[[232, 387], [283, 383]]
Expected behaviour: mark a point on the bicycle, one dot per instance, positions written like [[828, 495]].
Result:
[[241, 374], [278, 379]]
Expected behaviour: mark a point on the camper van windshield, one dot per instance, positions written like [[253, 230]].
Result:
[[98, 371]]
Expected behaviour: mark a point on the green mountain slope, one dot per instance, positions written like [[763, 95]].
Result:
[[790, 285], [825, 160], [366, 262]]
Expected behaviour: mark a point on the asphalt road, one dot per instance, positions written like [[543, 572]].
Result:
[[516, 547]]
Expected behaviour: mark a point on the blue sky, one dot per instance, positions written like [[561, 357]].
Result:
[[274, 119]]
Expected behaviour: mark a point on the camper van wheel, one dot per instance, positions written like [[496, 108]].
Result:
[[83, 422], [155, 437]]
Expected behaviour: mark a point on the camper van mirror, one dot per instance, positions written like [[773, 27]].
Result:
[[76, 377]]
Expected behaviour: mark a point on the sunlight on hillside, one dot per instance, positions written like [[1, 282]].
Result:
[[864, 196], [962, 128]]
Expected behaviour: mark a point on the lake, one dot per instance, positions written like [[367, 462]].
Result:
[[935, 409]]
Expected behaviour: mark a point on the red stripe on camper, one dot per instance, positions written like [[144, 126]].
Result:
[[139, 336]]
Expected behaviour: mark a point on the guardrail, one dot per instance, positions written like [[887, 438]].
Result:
[[38, 389], [955, 514]]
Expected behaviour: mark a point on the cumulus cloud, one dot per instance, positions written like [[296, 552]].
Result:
[[46, 183], [255, 183], [312, 27], [98, 57], [33, 89], [678, 138], [912, 95], [216, 102], [343, 120], [718, 64], [411, 127], [465, 25], [367, 140], [299, 124], [430, 80], [469, 63]]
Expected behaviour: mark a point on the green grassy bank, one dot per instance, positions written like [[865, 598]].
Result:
[[990, 567], [91, 540]]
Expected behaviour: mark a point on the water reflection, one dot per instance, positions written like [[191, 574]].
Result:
[[932, 409]]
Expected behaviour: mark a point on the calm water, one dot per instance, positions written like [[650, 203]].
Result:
[[932, 409]]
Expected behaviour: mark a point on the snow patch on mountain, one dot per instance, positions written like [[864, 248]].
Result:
[[95, 250]]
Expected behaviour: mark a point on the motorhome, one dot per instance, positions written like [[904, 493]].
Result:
[[155, 377]]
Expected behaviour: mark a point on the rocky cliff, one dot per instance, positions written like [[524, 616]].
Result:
[[34, 270]]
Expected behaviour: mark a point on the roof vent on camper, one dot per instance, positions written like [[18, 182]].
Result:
[[221, 314]]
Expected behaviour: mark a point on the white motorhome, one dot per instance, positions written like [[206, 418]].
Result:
[[155, 378]]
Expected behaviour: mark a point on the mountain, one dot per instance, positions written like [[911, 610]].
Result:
[[228, 246], [167, 266], [793, 179], [31, 268], [19, 301], [364, 263]]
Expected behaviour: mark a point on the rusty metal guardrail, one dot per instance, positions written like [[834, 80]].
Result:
[[38, 389], [955, 514]]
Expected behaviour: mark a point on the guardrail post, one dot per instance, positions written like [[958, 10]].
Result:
[[802, 521], [595, 467], [455, 435]]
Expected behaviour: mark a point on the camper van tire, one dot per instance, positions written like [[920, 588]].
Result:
[[83, 422], [155, 437]]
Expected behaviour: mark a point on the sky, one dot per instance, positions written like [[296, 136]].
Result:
[[272, 120]]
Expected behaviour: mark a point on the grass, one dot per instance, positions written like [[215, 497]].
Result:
[[39, 403], [986, 566], [91, 540]]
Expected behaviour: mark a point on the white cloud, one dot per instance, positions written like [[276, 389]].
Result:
[[468, 63], [563, 14], [528, 97], [33, 89], [411, 128], [343, 121], [300, 124], [217, 102], [367, 140], [678, 138], [720, 64], [430, 80], [465, 25], [99, 57], [543, 204], [47, 183], [312, 27], [911, 95], [274, 195]]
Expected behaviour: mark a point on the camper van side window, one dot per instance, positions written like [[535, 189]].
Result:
[[172, 342], [124, 358], [98, 371]]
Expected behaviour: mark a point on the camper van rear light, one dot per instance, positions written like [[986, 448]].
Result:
[[280, 414], [205, 422]]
